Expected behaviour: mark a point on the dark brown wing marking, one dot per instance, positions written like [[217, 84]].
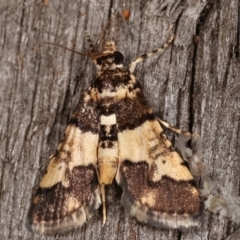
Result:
[[59, 209], [166, 203]]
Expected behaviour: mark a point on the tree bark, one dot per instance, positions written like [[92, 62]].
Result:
[[193, 85]]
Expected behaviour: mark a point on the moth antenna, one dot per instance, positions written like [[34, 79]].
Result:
[[61, 46], [147, 55]]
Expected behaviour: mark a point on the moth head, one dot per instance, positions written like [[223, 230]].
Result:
[[109, 47], [109, 59]]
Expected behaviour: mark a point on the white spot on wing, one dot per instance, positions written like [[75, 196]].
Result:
[[108, 120]]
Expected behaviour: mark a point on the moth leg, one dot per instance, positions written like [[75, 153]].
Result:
[[89, 41], [177, 130], [102, 191], [147, 55]]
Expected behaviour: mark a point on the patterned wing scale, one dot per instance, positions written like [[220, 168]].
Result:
[[68, 193]]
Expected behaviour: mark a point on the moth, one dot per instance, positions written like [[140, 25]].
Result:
[[114, 135]]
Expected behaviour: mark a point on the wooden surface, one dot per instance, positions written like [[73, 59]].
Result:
[[194, 85]]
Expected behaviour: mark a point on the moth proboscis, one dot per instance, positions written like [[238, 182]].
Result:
[[114, 134]]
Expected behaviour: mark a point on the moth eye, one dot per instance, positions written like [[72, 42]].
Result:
[[99, 61], [118, 57]]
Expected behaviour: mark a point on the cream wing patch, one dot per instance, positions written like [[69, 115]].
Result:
[[77, 149], [145, 143]]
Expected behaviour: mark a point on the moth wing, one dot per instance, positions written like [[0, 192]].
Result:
[[158, 188], [68, 193]]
